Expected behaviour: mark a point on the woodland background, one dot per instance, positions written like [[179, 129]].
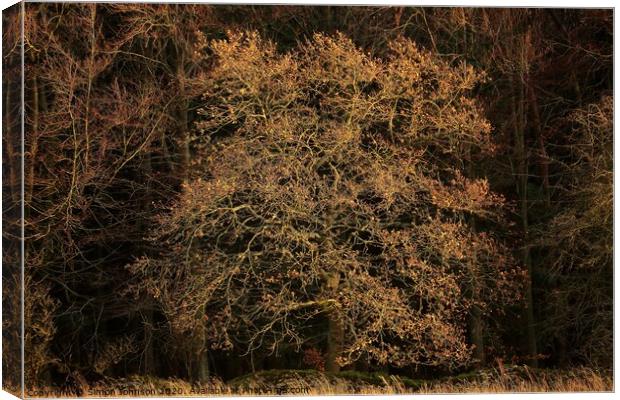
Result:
[[162, 147]]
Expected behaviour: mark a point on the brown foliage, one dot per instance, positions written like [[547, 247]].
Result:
[[316, 188], [325, 161]]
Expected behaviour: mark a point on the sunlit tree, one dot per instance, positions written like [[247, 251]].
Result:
[[328, 190]]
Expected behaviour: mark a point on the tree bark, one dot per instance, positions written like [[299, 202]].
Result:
[[543, 161], [183, 130], [201, 372], [149, 358], [476, 324], [476, 329], [522, 186], [335, 331]]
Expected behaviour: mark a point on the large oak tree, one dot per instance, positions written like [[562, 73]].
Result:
[[329, 206]]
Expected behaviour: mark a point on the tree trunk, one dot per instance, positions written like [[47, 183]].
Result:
[[183, 130], [30, 156], [543, 161], [149, 358], [476, 334], [476, 324], [335, 331], [200, 370], [10, 143], [522, 186]]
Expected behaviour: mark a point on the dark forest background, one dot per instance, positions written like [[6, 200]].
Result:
[[119, 99]]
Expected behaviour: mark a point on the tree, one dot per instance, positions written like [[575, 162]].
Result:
[[579, 241], [101, 115], [11, 203], [328, 206]]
